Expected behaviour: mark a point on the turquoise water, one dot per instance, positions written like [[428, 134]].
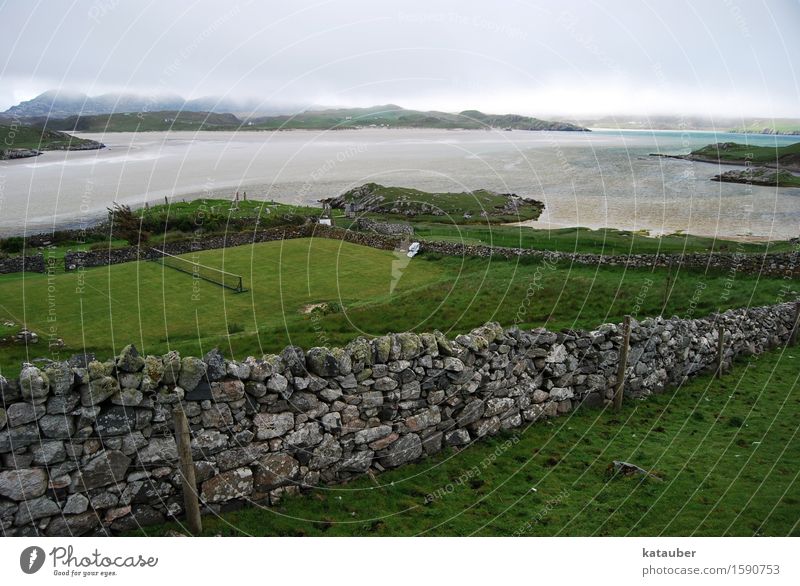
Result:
[[594, 179]]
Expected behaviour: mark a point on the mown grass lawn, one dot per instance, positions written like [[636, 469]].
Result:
[[727, 453], [364, 291]]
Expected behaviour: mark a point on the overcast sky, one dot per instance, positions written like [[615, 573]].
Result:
[[721, 58]]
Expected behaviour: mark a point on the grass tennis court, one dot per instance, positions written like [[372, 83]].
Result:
[[102, 309]]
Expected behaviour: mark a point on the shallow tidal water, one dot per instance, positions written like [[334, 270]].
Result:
[[597, 179]]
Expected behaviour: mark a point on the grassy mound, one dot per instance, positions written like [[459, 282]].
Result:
[[481, 206]]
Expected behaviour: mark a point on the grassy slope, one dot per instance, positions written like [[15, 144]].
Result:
[[728, 452], [602, 241], [155, 308], [396, 117], [147, 121], [27, 137]]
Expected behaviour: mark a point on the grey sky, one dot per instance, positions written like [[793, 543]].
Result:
[[723, 57]]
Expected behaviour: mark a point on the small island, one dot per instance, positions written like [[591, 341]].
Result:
[[468, 207], [766, 166], [19, 142]]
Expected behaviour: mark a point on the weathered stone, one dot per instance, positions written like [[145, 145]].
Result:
[[307, 436], [485, 427], [57, 426], [60, 404], [471, 412], [22, 413], [192, 371], [76, 504], [259, 369], [424, 420], [457, 437], [278, 383], [561, 393], [60, 376], [129, 359], [158, 451], [3, 418], [217, 416], [406, 449], [322, 362], [238, 370], [452, 364], [207, 442], [34, 384], [357, 462], [270, 425], [98, 390], [328, 452], [332, 421], [241, 456], [227, 391], [171, 372], [127, 397], [384, 442], [558, 353], [73, 525], [227, 486], [369, 435], [275, 470], [118, 420], [295, 360], [215, 365], [385, 384], [107, 468], [48, 453], [382, 349], [410, 345], [19, 437], [24, 484], [32, 510], [498, 405], [154, 369]]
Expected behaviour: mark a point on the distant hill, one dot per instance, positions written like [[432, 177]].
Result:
[[391, 116], [57, 104], [149, 121], [18, 142], [718, 124]]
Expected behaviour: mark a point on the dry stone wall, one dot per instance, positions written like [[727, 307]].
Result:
[[785, 264], [87, 446], [33, 263]]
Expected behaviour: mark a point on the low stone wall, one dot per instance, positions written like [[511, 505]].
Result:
[[94, 258], [87, 446], [386, 228], [785, 264], [17, 264], [776, 265]]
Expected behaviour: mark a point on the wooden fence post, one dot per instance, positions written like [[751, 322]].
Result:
[[189, 484], [623, 363], [720, 348], [795, 325]]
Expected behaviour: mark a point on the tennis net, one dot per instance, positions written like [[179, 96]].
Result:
[[211, 274]]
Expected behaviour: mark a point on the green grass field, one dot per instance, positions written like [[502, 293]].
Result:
[[102, 309], [727, 452]]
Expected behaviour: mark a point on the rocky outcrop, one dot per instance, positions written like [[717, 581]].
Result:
[[87, 447], [759, 176]]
